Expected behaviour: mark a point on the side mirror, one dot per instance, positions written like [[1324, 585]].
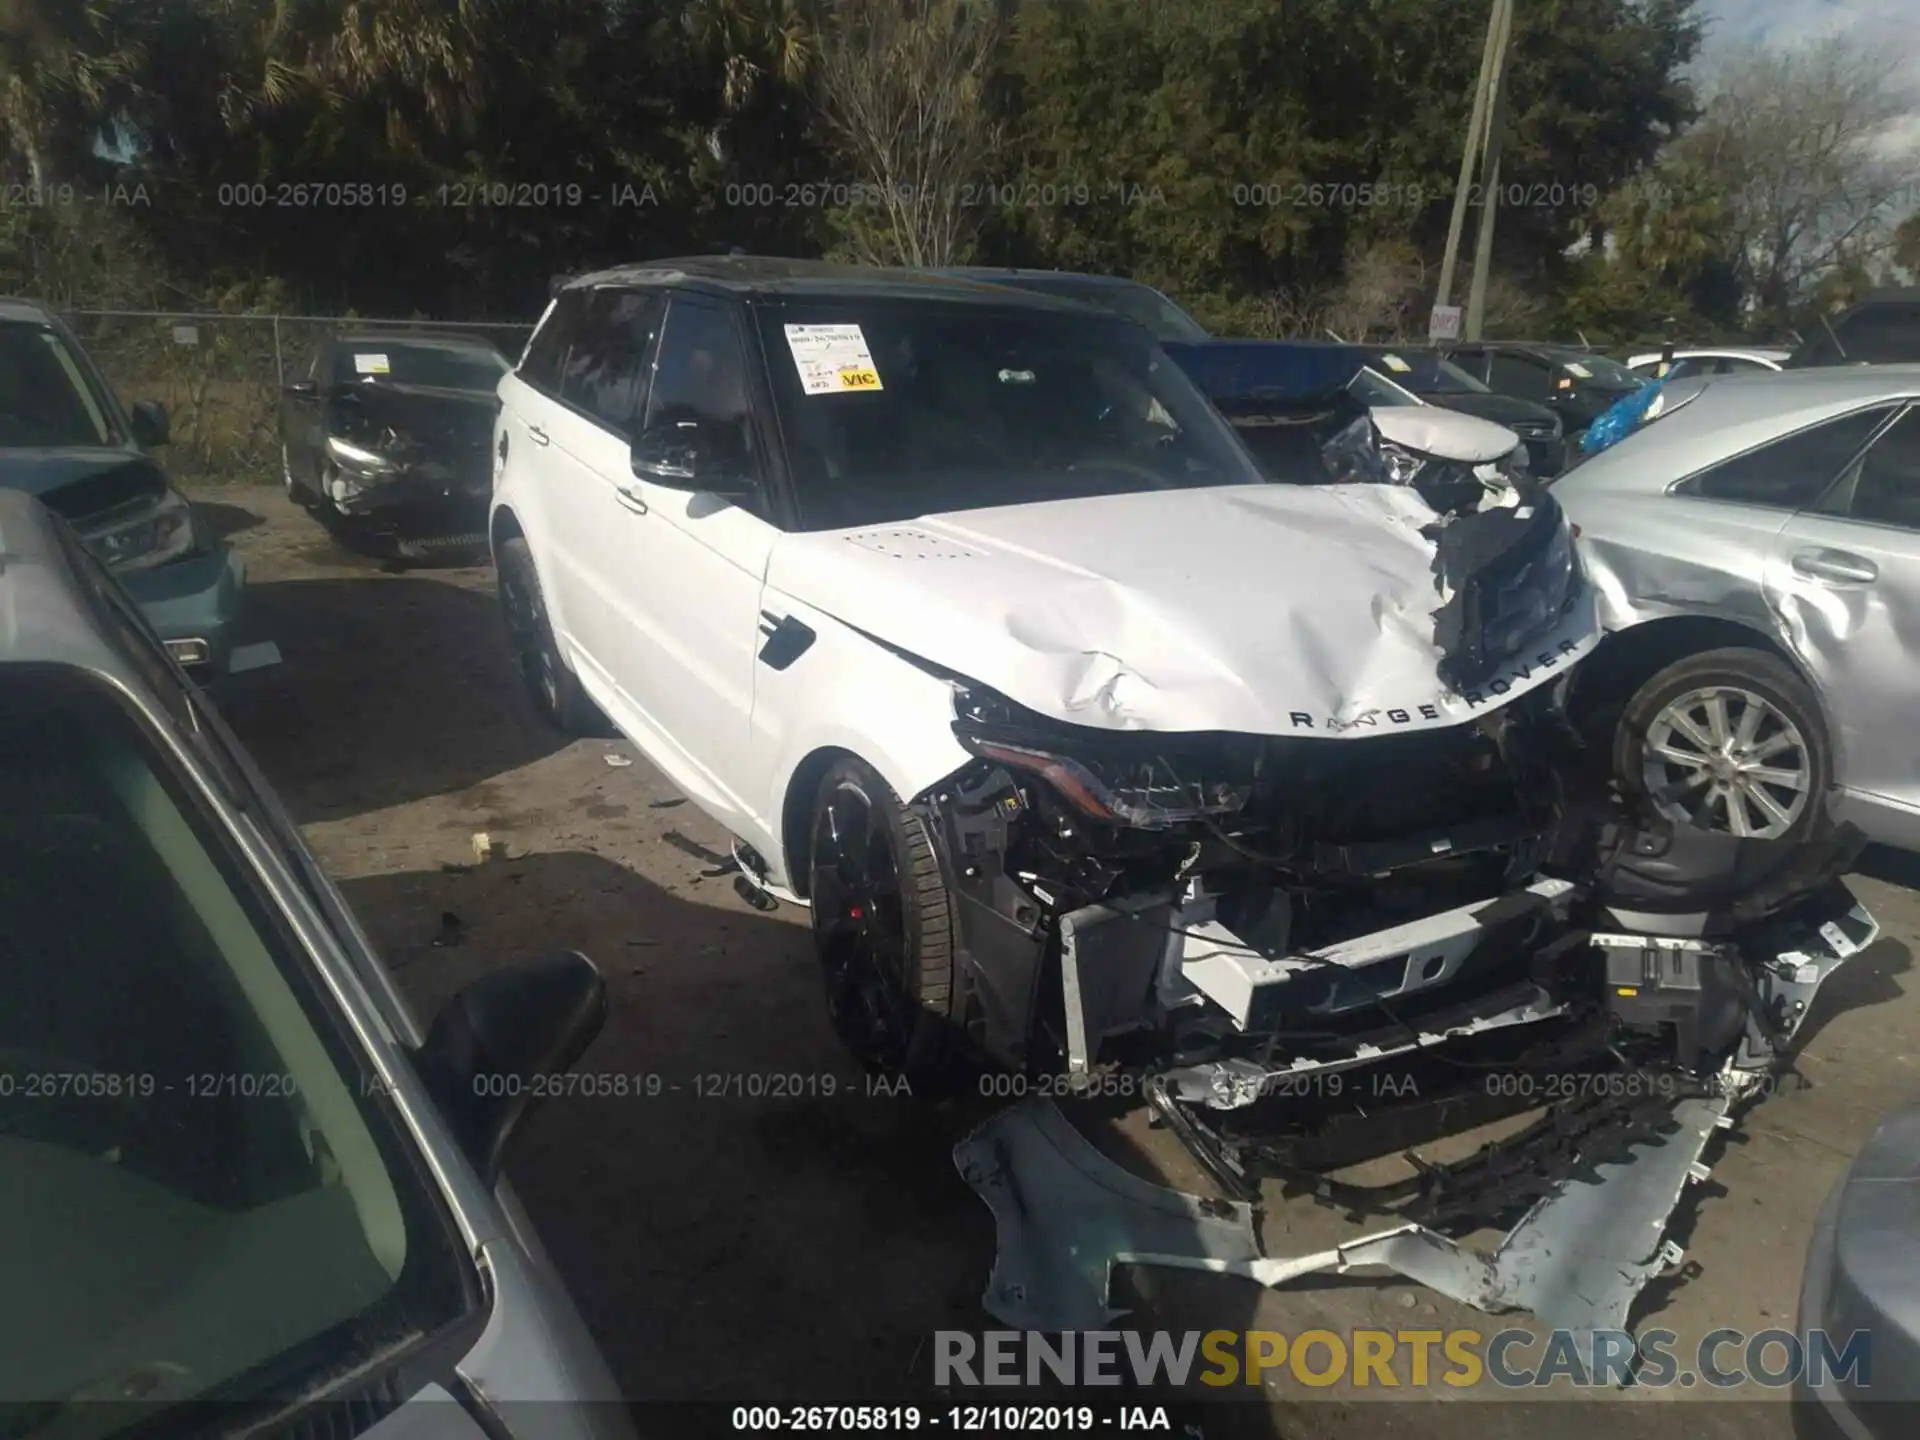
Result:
[[669, 455], [492, 1045], [150, 426], [677, 455], [301, 390]]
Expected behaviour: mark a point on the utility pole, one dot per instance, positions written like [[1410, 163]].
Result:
[[1476, 132], [1490, 169]]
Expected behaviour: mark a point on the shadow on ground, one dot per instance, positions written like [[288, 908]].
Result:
[[749, 1222], [226, 520], [1870, 978], [390, 689], [1890, 866]]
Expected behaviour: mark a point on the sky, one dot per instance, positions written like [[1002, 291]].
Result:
[[1733, 24]]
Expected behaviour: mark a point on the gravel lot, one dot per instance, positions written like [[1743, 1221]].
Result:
[[758, 1250]]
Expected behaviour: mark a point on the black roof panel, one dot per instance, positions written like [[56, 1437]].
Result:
[[765, 276]]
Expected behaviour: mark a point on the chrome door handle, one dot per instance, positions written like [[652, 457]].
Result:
[[1836, 567], [631, 499], [537, 435]]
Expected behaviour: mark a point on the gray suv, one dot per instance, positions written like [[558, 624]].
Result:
[[237, 1171], [65, 437]]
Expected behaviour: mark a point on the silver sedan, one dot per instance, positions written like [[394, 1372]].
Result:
[[1756, 549]]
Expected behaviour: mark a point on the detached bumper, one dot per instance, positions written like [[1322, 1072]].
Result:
[[193, 605]]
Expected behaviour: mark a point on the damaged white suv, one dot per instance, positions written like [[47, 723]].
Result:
[[1093, 752], [978, 627]]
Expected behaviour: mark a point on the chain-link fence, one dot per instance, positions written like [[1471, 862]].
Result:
[[221, 376]]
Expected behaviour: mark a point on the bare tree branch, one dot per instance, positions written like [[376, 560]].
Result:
[[901, 86], [1806, 144]]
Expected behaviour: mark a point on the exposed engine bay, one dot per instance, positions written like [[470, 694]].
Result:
[[1261, 927]]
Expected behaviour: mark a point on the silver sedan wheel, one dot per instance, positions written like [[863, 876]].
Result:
[[1723, 758]]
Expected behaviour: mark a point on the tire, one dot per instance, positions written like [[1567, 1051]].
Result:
[[298, 493], [1697, 706], [885, 938], [550, 682]]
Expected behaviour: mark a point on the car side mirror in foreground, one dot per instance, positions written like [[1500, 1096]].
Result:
[[492, 1045], [150, 425]]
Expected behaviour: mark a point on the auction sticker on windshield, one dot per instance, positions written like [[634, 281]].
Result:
[[371, 365], [1396, 364], [832, 359]]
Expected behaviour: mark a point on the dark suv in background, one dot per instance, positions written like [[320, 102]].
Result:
[[1883, 329], [66, 438]]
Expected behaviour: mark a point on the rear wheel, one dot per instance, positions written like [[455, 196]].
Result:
[[883, 927], [1730, 741], [550, 682]]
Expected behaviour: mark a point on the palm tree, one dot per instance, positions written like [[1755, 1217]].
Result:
[[415, 64], [63, 67], [755, 40]]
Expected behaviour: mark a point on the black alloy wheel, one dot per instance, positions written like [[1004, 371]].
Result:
[[550, 682], [882, 924]]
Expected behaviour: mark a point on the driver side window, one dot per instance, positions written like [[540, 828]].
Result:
[[1515, 375], [700, 377]]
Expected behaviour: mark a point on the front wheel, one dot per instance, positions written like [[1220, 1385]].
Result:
[[1729, 741], [883, 925], [297, 490], [550, 683]]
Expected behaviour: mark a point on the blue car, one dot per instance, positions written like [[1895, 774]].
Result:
[[66, 439]]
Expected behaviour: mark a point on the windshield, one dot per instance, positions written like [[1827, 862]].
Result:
[[1609, 373], [204, 1194], [1425, 373], [966, 406], [448, 366], [1141, 304], [46, 399], [1372, 388]]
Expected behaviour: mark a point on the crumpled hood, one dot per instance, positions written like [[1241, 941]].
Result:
[[1445, 434], [1504, 410], [1262, 609]]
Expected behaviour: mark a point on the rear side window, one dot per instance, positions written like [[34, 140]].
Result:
[[1887, 491], [605, 371], [1514, 375], [1885, 335], [546, 353], [1793, 473]]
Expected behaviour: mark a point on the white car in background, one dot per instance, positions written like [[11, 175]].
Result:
[[1692, 364]]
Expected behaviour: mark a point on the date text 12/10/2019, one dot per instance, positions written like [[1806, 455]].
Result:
[[955, 1419]]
